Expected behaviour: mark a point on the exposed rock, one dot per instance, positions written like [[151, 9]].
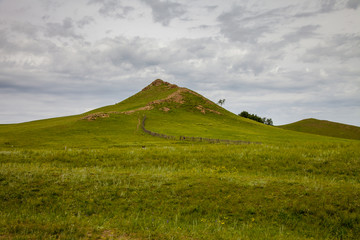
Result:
[[159, 82], [94, 116], [165, 109], [174, 97], [203, 110]]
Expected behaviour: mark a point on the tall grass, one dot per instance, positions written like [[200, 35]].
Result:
[[67, 178], [199, 191]]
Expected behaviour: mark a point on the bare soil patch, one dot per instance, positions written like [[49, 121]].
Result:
[[203, 110], [165, 109], [146, 108], [94, 116]]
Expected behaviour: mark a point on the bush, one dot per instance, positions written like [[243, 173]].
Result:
[[267, 121]]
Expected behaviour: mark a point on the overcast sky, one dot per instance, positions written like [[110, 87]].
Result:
[[281, 59]]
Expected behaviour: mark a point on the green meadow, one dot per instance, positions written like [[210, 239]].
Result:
[[74, 178]]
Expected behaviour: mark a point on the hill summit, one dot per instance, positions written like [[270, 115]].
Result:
[[158, 95], [159, 82]]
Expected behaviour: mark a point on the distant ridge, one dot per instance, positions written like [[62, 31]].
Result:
[[325, 128]]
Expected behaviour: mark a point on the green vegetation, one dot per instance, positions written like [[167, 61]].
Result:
[[267, 121], [326, 128], [71, 178]]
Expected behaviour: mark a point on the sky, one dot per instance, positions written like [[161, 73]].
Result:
[[280, 59]]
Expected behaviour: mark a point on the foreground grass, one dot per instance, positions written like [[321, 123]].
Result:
[[201, 191]]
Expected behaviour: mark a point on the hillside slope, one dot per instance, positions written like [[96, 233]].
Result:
[[97, 175], [170, 110], [325, 128]]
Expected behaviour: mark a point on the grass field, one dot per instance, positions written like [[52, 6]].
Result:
[[68, 178]]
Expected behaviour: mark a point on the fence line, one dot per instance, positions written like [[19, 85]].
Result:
[[194, 139]]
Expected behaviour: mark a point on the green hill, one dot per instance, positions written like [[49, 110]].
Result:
[[98, 175], [325, 128], [169, 109]]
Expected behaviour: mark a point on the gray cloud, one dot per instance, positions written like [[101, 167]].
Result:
[[353, 4], [331, 5], [211, 7], [51, 4], [327, 5], [343, 47], [22, 44], [25, 28], [165, 11], [64, 29], [112, 8], [303, 32], [85, 21], [242, 24]]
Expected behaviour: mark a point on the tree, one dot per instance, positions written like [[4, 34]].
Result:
[[244, 114], [221, 102], [267, 121]]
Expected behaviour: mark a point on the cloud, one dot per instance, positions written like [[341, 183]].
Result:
[[21, 44], [165, 11], [303, 32], [64, 29], [354, 4], [211, 7], [112, 8], [133, 53], [332, 5], [25, 28], [86, 20], [244, 25], [340, 47], [51, 4], [327, 5], [217, 69]]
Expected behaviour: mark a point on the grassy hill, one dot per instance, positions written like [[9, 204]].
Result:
[[169, 109], [326, 128], [97, 175]]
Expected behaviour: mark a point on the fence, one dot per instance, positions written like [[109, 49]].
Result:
[[193, 139]]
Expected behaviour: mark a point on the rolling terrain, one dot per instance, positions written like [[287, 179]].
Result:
[[98, 175], [169, 109], [325, 128]]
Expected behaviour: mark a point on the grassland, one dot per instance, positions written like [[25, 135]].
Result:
[[68, 178], [326, 128]]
